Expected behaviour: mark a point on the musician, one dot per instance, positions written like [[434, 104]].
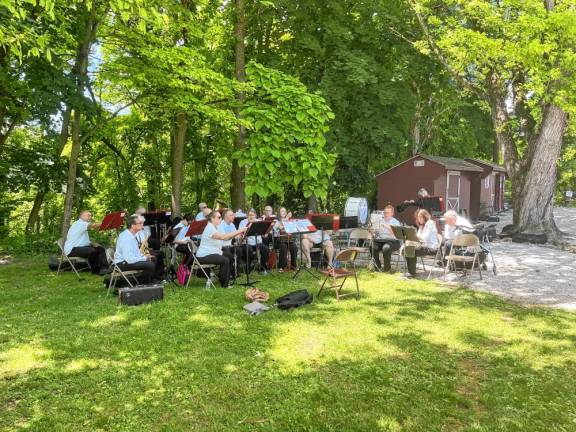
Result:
[[239, 213], [428, 236], [210, 250], [269, 213], [227, 227], [317, 239], [420, 202], [181, 240], [78, 243], [201, 215], [128, 255], [384, 240], [454, 225], [146, 234], [255, 244], [284, 242]]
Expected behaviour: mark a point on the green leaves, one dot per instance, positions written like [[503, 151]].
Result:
[[286, 144]]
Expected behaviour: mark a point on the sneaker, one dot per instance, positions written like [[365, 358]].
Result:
[[264, 272], [407, 276], [103, 272], [280, 270]]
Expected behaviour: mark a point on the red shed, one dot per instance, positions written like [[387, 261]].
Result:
[[448, 178], [488, 188]]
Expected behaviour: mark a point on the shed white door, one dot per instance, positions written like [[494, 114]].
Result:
[[453, 191]]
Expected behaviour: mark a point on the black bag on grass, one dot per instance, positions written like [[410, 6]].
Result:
[[294, 299]]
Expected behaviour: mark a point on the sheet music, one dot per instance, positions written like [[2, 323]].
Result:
[[290, 227]]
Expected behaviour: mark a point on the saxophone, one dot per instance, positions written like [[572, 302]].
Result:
[[144, 249]]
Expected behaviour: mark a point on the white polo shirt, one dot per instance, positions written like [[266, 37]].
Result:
[[208, 244], [77, 236]]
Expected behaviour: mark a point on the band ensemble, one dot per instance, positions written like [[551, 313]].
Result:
[[224, 243]]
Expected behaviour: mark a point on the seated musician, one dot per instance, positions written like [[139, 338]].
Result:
[[227, 227], [210, 250], [384, 239], [317, 239], [454, 226], [256, 245], [285, 242], [428, 236], [78, 244], [145, 236], [181, 240], [201, 215], [268, 213], [128, 255]]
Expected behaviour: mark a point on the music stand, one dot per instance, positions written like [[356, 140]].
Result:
[[196, 228], [155, 219], [112, 221], [323, 222], [255, 229], [348, 222], [300, 227], [237, 220]]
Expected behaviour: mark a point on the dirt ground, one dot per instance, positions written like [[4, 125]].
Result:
[[532, 274]]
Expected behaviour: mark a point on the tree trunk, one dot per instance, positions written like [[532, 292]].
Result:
[[81, 71], [534, 203], [312, 203], [35, 212], [237, 193], [178, 143]]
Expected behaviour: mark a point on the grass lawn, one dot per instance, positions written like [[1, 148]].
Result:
[[409, 356]]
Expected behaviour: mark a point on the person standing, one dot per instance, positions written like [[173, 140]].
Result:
[[78, 243]]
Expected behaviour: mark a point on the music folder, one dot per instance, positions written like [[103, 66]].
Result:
[[112, 220], [196, 228]]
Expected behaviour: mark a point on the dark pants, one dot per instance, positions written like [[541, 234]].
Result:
[[232, 252], [387, 246], [264, 251], [146, 267], [447, 246], [283, 247], [411, 262], [159, 261], [96, 256], [223, 261], [183, 249]]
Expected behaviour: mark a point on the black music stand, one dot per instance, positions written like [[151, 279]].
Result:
[[301, 227], [325, 222], [404, 233], [237, 220], [156, 219], [348, 222], [255, 229]]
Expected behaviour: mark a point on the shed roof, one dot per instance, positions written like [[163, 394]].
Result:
[[447, 162], [492, 165]]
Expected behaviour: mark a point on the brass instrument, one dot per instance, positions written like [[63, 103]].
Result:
[[144, 248]]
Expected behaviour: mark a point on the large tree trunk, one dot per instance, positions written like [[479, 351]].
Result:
[[178, 144], [35, 212], [81, 71], [237, 193], [534, 202]]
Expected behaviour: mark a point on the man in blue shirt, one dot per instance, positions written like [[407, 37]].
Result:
[[384, 239], [78, 243], [128, 255]]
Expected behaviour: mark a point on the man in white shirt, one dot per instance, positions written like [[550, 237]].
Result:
[[204, 210], [384, 239], [128, 255], [454, 226], [255, 243], [78, 243], [227, 227]]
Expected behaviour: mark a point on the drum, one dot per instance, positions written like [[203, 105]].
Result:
[[357, 207]]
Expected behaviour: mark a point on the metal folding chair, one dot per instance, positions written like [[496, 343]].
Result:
[[346, 257], [197, 265], [362, 236], [464, 243], [117, 272], [70, 260]]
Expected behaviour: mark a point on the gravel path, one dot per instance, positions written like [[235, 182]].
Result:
[[533, 274]]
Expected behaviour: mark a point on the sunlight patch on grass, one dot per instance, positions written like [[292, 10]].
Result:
[[109, 320], [23, 358], [81, 365], [389, 424]]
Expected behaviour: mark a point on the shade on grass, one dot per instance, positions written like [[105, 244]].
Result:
[[410, 356]]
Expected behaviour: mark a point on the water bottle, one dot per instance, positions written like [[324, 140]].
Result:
[[336, 264]]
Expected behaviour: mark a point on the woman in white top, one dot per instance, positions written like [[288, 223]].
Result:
[[210, 250], [428, 235]]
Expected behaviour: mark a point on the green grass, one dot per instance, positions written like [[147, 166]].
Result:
[[409, 356]]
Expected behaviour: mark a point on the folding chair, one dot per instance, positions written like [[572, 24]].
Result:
[[347, 256], [70, 260], [117, 272], [203, 267], [357, 236], [464, 242]]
